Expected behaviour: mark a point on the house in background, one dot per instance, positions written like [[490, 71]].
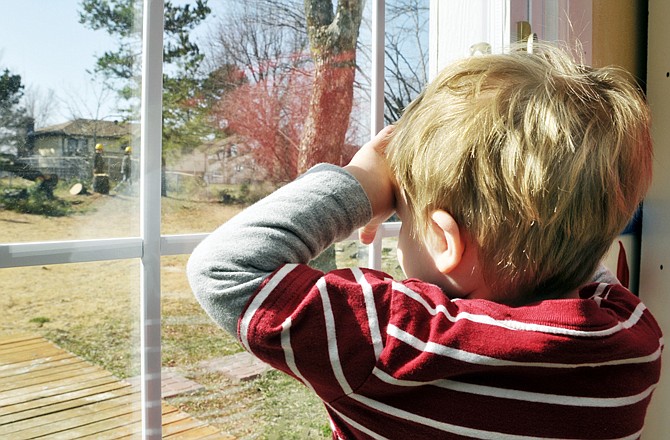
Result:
[[220, 161], [78, 138], [67, 149]]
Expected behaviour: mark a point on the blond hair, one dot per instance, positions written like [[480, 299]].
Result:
[[540, 160]]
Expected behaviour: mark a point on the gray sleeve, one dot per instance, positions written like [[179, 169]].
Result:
[[292, 225]]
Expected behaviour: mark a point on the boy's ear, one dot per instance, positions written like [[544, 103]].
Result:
[[448, 246]]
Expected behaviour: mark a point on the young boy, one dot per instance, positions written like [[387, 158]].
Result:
[[512, 174]]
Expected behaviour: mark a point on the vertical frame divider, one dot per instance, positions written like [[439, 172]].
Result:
[[377, 103], [150, 216]]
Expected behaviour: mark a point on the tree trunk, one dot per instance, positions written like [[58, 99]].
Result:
[[332, 37]]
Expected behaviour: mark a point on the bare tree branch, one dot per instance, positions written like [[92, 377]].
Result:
[[40, 105]]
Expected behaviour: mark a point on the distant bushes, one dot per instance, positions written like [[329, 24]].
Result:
[[33, 200], [243, 194]]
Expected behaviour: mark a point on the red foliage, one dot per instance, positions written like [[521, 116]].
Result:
[[269, 115]]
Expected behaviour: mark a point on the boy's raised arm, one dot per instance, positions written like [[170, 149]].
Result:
[[292, 225]]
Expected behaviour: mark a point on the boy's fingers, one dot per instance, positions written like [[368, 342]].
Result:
[[381, 140], [367, 233]]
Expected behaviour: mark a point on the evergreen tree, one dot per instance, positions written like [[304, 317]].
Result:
[[13, 120], [181, 58]]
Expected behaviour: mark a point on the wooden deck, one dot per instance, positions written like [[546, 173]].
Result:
[[48, 392]]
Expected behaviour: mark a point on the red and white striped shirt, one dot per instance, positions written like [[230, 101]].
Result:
[[400, 360]]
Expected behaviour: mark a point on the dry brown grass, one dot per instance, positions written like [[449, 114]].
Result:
[[92, 309], [90, 305]]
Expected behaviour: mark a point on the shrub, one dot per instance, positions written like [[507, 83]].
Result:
[[33, 200]]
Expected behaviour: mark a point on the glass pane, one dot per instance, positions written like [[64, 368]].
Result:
[[351, 253], [69, 343], [233, 131], [68, 142], [223, 117], [390, 263], [406, 61], [242, 124], [206, 373]]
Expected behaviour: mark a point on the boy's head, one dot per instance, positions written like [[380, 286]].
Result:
[[539, 160]]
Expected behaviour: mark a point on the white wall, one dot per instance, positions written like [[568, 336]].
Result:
[[655, 252]]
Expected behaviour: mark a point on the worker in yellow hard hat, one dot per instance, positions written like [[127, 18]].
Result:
[[98, 161], [126, 165]]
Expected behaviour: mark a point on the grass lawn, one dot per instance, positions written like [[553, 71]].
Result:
[[92, 309]]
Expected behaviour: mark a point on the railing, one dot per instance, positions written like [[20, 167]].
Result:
[[73, 167]]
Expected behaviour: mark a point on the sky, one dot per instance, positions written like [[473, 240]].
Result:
[[42, 41]]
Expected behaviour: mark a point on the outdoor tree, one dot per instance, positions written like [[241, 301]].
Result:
[[181, 57], [266, 42], [90, 101], [333, 34], [40, 105], [406, 55], [303, 84], [12, 116], [269, 115], [91, 106]]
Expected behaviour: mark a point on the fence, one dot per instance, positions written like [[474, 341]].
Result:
[[76, 168]]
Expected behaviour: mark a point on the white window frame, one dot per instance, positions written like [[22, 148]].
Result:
[[151, 245], [655, 253]]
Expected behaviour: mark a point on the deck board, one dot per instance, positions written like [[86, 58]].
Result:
[[48, 392]]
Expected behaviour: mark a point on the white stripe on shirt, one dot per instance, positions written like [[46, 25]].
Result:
[[331, 337], [371, 310], [526, 396], [519, 325], [474, 358], [357, 425], [288, 352], [258, 301]]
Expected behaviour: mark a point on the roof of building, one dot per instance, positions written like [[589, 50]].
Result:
[[87, 127]]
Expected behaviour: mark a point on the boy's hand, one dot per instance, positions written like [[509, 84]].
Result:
[[370, 168]]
